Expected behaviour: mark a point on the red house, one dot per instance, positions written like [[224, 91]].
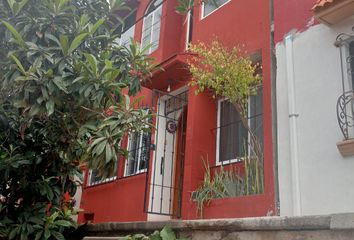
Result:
[[164, 168]]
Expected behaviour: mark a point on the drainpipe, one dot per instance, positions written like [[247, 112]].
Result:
[[293, 115], [273, 77]]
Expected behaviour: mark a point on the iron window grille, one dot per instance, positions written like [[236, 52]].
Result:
[[138, 153], [345, 102], [232, 137], [94, 179]]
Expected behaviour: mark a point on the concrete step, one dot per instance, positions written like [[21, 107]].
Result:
[[102, 238], [327, 227]]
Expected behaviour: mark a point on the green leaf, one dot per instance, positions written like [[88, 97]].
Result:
[[167, 233], [36, 219], [38, 235], [34, 110], [77, 41], [64, 223], [100, 148], [60, 84], [46, 233], [15, 34], [13, 233], [19, 64], [97, 25], [108, 153], [58, 235], [50, 107], [64, 43], [92, 61]]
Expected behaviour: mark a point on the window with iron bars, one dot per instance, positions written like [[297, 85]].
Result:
[[138, 153], [95, 179], [232, 136]]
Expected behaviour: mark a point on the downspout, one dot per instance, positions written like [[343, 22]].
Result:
[[273, 73], [293, 115]]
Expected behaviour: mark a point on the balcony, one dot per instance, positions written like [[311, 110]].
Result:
[[345, 102], [345, 116]]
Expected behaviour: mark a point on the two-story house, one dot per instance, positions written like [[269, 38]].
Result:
[[164, 168]]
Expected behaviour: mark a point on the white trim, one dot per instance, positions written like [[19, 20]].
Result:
[[151, 30], [140, 135], [250, 117], [91, 183], [130, 37], [218, 162], [188, 29], [202, 11]]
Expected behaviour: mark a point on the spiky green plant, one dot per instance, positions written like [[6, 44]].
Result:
[[229, 183]]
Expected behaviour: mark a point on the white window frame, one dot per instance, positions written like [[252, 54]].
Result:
[[151, 30], [126, 174], [218, 162], [236, 160], [106, 180], [189, 22], [203, 6], [127, 35]]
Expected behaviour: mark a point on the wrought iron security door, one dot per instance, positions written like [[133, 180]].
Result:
[[163, 193]]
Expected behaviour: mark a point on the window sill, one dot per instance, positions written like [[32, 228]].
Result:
[[134, 175], [230, 162], [104, 182], [346, 147], [336, 12]]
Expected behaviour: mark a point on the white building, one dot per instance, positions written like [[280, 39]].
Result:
[[315, 177]]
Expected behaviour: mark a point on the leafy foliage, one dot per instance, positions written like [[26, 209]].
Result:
[[227, 73], [165, 234], [62, 78], [226, 183], [224, 72]]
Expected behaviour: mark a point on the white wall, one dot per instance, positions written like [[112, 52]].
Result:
[[325, 179]]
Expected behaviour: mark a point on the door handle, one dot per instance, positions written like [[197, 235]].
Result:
[[162, 166]]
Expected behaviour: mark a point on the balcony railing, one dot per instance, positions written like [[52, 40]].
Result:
[[345, 103], [345, 114]]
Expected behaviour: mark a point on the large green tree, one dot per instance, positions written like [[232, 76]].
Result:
[[62, 77]]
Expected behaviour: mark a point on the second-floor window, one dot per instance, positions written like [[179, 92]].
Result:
[[212, 5], [152, 25], [127, 29]]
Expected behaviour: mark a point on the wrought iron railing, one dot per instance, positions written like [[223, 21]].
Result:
[[345, 103], [345, 114]]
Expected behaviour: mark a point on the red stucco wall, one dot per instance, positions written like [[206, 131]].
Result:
[[121, 200], [239, 22], [292, 14], [246, 24]]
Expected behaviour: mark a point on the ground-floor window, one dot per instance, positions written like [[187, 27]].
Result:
[[94, 178], [232, 136], [139, 153]]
